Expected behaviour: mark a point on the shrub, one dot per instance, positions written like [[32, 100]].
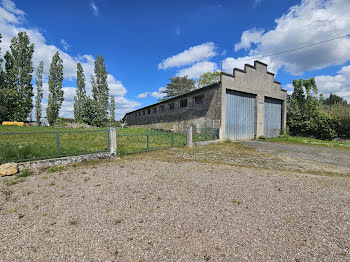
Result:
[[341, 118]]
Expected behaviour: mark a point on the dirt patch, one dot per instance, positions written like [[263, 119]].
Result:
[[150, 209]]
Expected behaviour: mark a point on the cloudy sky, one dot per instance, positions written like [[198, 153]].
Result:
[[146, 42]]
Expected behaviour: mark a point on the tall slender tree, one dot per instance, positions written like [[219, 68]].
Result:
[[2, 86], [100, 90], [112, 110], [80, 98], [39, 91], [18, 78], [55, 89]]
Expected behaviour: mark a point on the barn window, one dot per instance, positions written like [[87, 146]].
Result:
[[198, 100], [155, 110], [162, 108], [183, 103], [171, 106], [149, 111]]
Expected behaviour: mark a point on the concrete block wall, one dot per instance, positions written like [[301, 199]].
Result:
[[204, 115]]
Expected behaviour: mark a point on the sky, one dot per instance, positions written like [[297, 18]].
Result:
[[144, 43]]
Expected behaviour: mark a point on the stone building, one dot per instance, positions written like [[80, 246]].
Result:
[[245, 105]]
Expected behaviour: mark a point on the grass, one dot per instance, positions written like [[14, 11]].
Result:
[[310, 141]]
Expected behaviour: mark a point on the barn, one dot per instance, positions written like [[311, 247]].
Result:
[[245, 104]]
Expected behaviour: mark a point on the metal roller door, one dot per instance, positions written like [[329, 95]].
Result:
[[272, 117], [240, 115]]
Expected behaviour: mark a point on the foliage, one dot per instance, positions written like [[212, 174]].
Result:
[[334, 99], [80, 98], [100, 90], [55, 89], [112, 110], [341, 115], [178, 85], [39, 91], [89, 115], [208, 79], [17, 89], [305, 117]]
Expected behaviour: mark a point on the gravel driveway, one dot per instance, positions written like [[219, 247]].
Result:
[[142, 208], [328, 155]]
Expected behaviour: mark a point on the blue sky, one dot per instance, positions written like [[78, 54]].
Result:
[[144, 43]]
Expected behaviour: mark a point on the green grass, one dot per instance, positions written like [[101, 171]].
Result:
[[310, 141]]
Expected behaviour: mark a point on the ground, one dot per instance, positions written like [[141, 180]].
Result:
[[255, 201]]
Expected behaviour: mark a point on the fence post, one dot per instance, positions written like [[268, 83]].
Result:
[[58, 143], [147, 142], [112, 141], [189, 137], [172, 139]]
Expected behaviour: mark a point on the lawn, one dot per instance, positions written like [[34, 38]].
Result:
[[41, 142], [310, 141]]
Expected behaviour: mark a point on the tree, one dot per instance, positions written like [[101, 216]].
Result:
[[80, 98], [2, 86], [334, 99], [39, 91], [305, 117], [18, 91], [112, 110], [178, 85], [89, 115], [55, 89], [100, 90], [207, 79]]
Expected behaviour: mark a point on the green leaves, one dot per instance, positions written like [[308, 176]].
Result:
[[80, 98], [208, 79], [178, 85], [39, 91], [55, 89]]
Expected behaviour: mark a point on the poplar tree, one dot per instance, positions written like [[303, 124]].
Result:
[[18, 90], [112, 110], [100, 90], [55, 89], [80, 98], [2, 86], [39, 91]]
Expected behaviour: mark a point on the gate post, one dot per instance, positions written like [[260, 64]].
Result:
[[189, 137], [112, 141]]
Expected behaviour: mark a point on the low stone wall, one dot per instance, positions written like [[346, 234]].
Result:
[[61, 161], [205, 143]]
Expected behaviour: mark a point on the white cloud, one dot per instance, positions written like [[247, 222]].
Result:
[[338, 84], [143, 95], [257, 2], [196, 70], [190, 56], [10, 25], [159, 93], [94, 8], [64, 44], [309, 22], [229, 63], [249, 37]]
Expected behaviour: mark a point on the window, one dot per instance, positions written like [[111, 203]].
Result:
[[171, 106], [155, 110], [162, 108], [143, 112], [149, 111], [183, 103], [198, 100]]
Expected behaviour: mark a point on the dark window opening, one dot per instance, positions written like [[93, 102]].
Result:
[[171, 106], [149, 111], [183, 103], [198, 100], [155, 110], [162, 108]]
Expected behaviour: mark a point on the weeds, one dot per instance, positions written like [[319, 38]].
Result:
[[56, 169], [25, 172], [20, 215], [73, 222]]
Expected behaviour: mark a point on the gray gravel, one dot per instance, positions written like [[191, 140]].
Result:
[[328, 155], [144, 210]]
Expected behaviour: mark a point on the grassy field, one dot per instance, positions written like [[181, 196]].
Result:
[[41, 142], [310, 141]]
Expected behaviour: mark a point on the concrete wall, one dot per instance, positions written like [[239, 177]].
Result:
[[207, 114], [254, 80]]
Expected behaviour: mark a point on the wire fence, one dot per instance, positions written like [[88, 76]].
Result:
[[29, 146]]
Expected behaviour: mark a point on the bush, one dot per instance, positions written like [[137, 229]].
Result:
[[341, 118]]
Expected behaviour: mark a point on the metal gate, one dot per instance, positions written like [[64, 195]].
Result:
[[240, 115], [272, 117]]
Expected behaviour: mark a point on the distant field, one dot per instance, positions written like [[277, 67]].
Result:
[[43, 142]]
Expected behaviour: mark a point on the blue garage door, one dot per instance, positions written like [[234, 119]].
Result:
[[240, 115], [272, 117]]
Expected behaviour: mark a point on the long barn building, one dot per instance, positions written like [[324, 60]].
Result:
[[245, 105]]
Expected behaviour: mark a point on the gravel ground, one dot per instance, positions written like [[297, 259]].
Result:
[[143, 208], [333, 156]]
